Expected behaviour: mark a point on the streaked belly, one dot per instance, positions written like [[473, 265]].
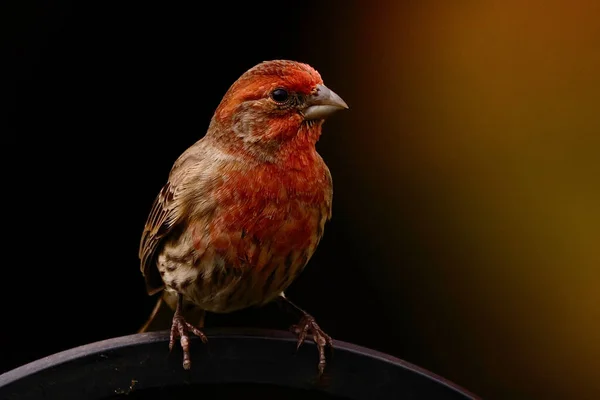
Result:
[[236, 259]]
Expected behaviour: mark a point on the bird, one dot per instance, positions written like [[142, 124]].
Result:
[[244, 207]]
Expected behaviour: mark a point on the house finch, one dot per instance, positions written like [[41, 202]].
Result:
[[244, 207]]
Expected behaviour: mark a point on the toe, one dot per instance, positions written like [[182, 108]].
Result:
[[197, 332]]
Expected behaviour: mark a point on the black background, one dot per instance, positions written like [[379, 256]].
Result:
[[109, 94]]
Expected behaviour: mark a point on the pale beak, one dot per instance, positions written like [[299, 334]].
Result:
[[322, 103]]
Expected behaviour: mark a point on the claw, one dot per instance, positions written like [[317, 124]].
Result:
[[308, 325], [181, 327]]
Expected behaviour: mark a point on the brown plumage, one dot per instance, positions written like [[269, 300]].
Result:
[[244, 208]]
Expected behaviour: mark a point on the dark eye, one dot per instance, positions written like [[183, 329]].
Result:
[[280, 95]]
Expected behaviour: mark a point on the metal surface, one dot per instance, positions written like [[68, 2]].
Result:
[[142, 363]]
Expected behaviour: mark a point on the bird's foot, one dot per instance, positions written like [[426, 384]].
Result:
[[181, 328], [308, 326]]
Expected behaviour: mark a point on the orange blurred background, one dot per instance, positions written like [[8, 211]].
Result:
[[476, 137]]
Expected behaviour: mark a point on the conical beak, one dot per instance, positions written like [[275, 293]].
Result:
[[322, 103]]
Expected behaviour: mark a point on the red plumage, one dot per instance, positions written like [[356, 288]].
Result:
[[245, 207]]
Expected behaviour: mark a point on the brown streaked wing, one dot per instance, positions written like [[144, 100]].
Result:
[[163, 216], [193, 173]]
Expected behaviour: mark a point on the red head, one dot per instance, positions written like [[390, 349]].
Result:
[[271, 103]]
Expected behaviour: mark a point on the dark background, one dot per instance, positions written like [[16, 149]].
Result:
[[466, 221]]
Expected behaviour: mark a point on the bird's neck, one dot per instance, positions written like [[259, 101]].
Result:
[[294, 150], [299, 152]]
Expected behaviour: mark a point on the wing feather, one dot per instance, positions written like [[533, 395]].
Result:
[[164, 215], [193, 176]]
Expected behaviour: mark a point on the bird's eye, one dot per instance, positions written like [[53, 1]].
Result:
[[280, 95]]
